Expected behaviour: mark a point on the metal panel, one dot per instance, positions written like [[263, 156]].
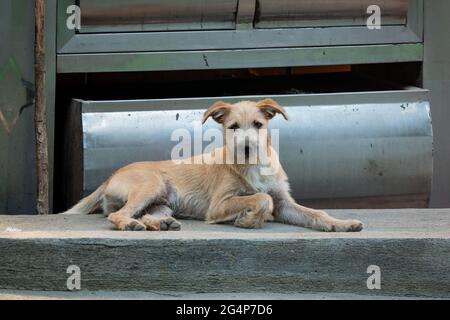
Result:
[[226, 59], [367, 145], [240, 39], [72, 42], [436, 77], [309, 13], [157, 15], [17, 164]]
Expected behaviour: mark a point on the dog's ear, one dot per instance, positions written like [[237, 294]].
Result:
[[217, 111], [270, 108]]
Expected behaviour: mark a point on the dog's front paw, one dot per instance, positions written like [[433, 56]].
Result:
[[249, 220]]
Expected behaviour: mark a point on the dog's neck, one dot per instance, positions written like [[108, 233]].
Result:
[[242, 169], [242, 172]]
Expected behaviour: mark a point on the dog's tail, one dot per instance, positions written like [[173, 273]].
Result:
[[90, 203]]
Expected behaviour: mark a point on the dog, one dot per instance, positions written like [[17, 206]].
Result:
[[151, 195]]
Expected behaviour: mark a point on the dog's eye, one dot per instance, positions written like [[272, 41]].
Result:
[[235, 126], [257, 124]]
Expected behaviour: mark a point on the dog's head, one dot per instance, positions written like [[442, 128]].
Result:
[[244, 124]]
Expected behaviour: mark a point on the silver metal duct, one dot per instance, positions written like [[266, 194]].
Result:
[[157, 15], [183, 15], [364, 147], [308, 13]]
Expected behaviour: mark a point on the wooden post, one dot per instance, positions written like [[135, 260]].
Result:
[[42, 203]]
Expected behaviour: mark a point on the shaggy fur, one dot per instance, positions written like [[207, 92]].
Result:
[[150, 195]]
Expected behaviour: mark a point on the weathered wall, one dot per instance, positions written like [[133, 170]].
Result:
[[17, 168], [437, 79]]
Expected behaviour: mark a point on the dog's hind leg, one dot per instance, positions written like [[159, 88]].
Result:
[[139, 199], [111, 204], [159, 217]]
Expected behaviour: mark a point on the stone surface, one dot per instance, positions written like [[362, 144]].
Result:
[[412, 248], [139, 295]]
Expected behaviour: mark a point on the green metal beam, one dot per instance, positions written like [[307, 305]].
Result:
[[226, 59]]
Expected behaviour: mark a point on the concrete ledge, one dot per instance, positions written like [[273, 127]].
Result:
[[156, 295], [412, 248]]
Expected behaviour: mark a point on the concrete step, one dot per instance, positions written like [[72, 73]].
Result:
[[157, 295], [411, 248]]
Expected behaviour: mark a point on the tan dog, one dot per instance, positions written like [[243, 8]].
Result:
[[145, 195]]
